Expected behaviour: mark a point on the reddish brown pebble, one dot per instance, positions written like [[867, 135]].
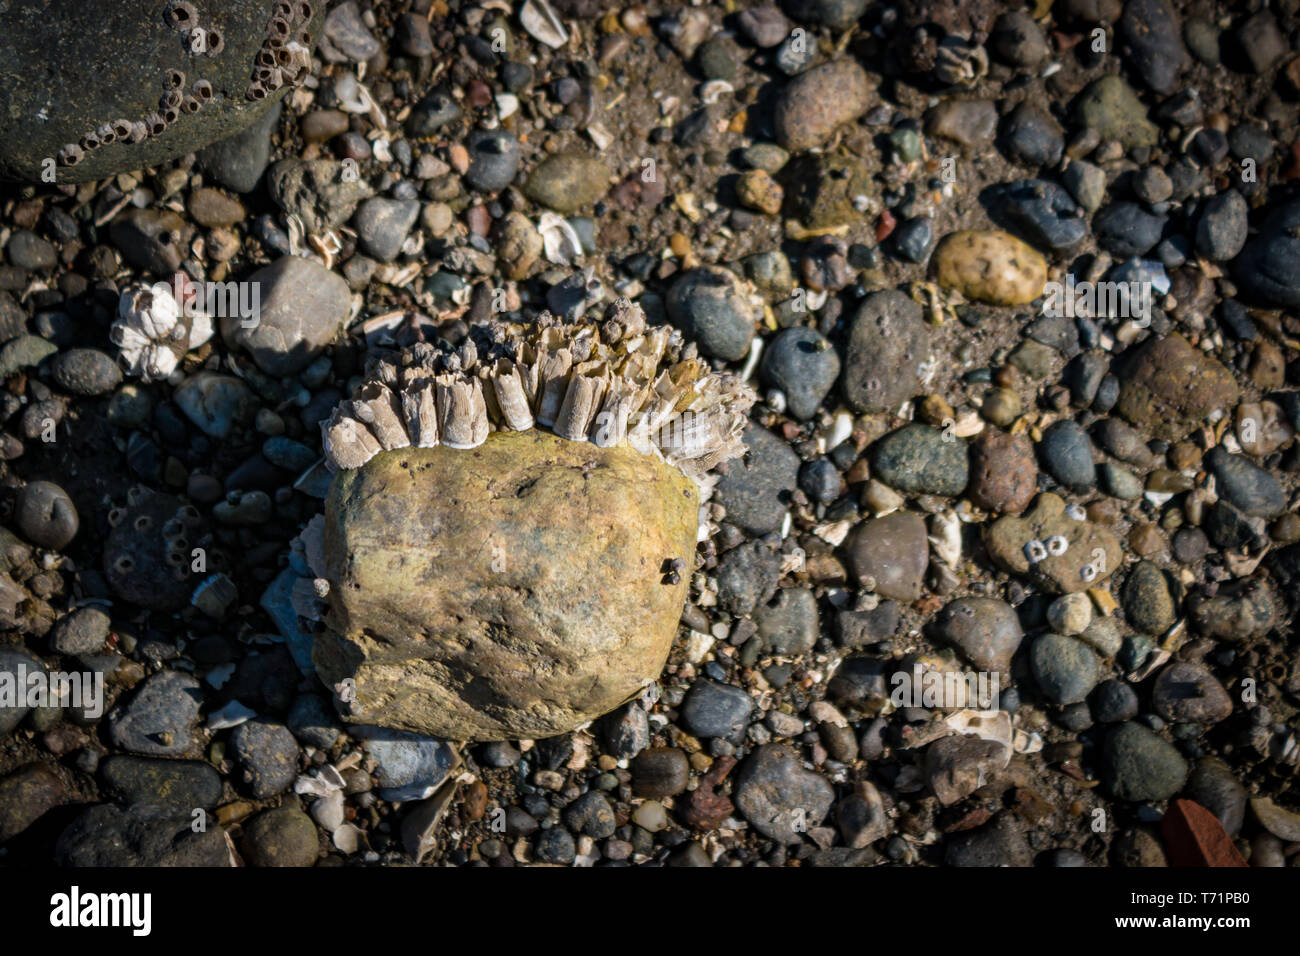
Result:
[[1194, 836]]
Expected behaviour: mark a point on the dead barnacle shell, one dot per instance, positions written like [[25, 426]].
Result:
[[121, 128], [960, 62], [171, 115], [90, 141], [303, 10], [182, 15], [278, 28], [139, 132], [170, 100], [202, 91], [156, 123], [256, 91], [106, 134], [580, 381], [70, 155], [190, 103], [154, 332], [215, 41], [175, 79], [542, 23]]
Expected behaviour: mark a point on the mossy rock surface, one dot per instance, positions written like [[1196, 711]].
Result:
[[515, 590]]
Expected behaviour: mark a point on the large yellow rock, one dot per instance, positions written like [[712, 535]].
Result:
[[515, 590], [989, 265]]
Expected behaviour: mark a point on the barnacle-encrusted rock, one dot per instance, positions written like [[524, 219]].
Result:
[[74, 70], [512, 591], [154, 331], [507, 545], [155, 543]]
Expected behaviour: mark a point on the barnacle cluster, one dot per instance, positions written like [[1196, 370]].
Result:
[[285, 56], [617, 381], [175, 100], [183, 17], [154, 330]]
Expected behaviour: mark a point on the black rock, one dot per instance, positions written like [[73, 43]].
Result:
[[715, 710], [755, 489], [1126, 229], [1041, 212], [1151, 41]]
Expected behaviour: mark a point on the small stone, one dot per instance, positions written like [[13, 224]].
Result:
[[709, 306], [815, 103], [268, 754], [214, 209], [161, 718], [917, 459], [1003, 472], [1188, 693], [493, 160], [756, 189], [142, 834], [1067, 455], [1222, 228], [1248, 487], [764, 27], [660, 772], [382, 225], [1126, 229], [45, 515], [176, 783], [567, 182], [747, 576], [1115, 702], [215, 403], [1151, 39], [801, 363], [284, 836], [591, 815], [1070, 614], [888, 343], [1000, 842], [889, 555], [1110, 107], [1139, 766], [84, 631], [987, 631], [1032, 136], [753, 489], [1148, 603], [1086, 183], [302, 307], [1043, 213], [85, 372], [958, 765], [775, 793], [715, 710], [1169, 388], [26, 795], [153, 240], [989, 266], [968, 122], [1065, 669], [788, 625]]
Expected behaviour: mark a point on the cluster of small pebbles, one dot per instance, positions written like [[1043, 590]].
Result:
[[1017, 290]]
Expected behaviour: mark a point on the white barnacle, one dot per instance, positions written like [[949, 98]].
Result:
[[1057, 545], [1088, 572], [153, 332], [1035, 551]]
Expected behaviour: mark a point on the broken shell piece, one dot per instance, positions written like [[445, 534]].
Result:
[[560, 240], [215, 595], [542, 23]]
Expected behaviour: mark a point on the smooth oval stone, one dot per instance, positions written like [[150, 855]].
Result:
[[450, 610]]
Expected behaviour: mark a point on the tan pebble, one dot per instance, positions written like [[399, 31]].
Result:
[[990, 266]]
